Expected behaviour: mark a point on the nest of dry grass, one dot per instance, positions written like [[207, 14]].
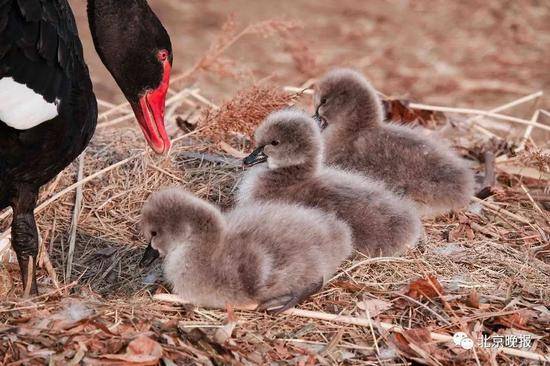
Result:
[[483, 271]]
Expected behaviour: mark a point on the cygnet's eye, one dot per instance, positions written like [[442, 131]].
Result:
[[275, 142], [153, 234], [323, 100]]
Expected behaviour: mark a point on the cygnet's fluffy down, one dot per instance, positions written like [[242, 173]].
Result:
[[412, 164], [270, 254], [290, 142]]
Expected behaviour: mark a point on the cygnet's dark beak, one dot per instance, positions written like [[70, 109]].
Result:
[[256, 157], [149, 256], [321, 122]]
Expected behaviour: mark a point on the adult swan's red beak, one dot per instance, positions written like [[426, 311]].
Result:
[[149, 112]]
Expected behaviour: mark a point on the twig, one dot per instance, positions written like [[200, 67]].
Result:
[[115, 121], [489, 180], [369, 260], [489, 158], [105, 103], [363, 322], [231, 150], [502, 211], [49, 268], [438, 316], [113, 110], [479, 112], [30, 274], [486, 132], [372, 333], [203, 100], [528, 131], [44, 257], [48, 294], [509, 105], [532, 200], [213, 158], [76, 214], [174, 102], [5, 241], [346, 346], [163, 171], [482, 229], [295, 89]]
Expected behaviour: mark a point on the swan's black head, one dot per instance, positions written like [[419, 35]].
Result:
[[136, 49]]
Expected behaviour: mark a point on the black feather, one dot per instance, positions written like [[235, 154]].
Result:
[[62, 53], [4, 17], [29, 35], [30, 9], [47, 42], [50, 12]]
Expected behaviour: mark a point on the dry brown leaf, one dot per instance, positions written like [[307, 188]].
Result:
[[143, 345], [225, 332], [473, 299], [401, 343], [420, 337], [518, 320], [347, 285], [428, 287], [469, 233], [455, 233], [398, 110], [140, 351], [281, 350], [231, 150], [374, 306]]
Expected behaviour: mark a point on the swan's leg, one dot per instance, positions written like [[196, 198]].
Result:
[[25, 234]]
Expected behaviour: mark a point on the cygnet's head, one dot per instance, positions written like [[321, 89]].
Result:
[[173, 217], [345, 97], [286, 138]]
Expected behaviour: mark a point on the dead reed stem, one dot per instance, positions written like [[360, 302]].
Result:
[[76, 215]]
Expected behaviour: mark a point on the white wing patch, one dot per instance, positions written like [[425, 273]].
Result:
[[22, 108]]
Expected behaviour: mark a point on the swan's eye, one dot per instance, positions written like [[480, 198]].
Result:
[[162, 55], [275, 142], [323, 100]]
